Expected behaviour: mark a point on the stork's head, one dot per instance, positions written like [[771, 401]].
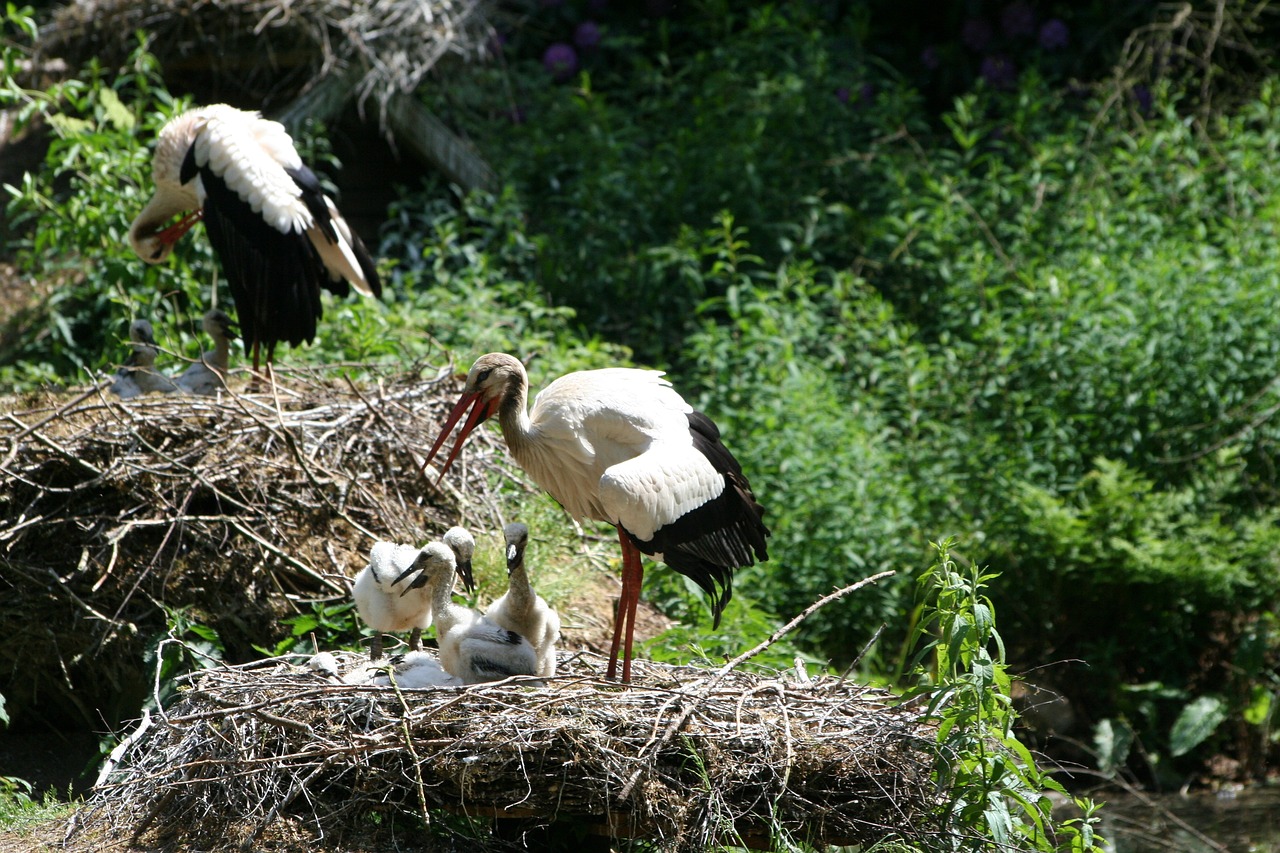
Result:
[[217, 324], [152, 233], [463, 545], [493, 379], [434, 564], [517, 536], [140, 332]]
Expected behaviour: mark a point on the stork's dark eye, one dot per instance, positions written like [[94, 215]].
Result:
[[483, 376]]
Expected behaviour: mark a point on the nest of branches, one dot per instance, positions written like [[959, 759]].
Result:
[[273, 49], [238, 510], [685, 756]]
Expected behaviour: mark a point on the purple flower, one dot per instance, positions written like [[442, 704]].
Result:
[[929, 58], [976, 34], [1142, 95], [561, 60], [1018, 20], [587, 35], [596, 7], [867, 94], [1054, 34], [998, 71], [842, 94]]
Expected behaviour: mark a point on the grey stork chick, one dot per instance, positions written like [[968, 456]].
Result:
[[472, 647], [384, 605], [138, 374], [207, 376], [522, 610]]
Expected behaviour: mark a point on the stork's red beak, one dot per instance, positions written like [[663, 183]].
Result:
[[174, 232], [480, 412]]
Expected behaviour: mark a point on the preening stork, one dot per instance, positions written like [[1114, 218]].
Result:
[[620, 445], [384, 605], [471, 647], [522, 610], [138, 374], [279, 238], [208, 375]]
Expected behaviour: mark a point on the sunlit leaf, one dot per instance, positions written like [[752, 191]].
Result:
[[1197, 721]]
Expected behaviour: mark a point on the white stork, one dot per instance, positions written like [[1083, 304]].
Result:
[[522, 610], [471, 647], [620, 445], [138, 374], [207, 376], [279, 238], [386, 606]]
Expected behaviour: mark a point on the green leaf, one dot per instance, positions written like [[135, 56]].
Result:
[[1197, 721], [1112, 741], [1259, 707], [117, 113]]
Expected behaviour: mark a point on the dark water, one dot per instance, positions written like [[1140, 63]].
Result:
[[1246, 821]]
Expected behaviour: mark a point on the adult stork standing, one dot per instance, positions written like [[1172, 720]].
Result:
[[279, 238], [138, 374], [620, 445], [208, 375], [522, 610]]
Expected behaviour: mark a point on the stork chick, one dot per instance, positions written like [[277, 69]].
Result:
[[472, 647], [206, 377], [385, 606], [414, 670], [138, 374], [463, 545], [522, 610]]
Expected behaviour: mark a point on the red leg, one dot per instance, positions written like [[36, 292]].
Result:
[[625, 622], [618, 615]]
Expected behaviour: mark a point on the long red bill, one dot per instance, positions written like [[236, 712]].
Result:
[[479, 413], [174, 232]]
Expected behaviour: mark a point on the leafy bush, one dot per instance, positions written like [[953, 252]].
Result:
[[995, 795]]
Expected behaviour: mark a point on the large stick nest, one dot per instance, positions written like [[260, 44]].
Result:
[[273, 49], [240, 510], [684, 756]]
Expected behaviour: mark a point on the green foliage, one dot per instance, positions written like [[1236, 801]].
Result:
[[186, 646], [74, 217], [995, 794], [641, 149], [326, 627], [19, 810]]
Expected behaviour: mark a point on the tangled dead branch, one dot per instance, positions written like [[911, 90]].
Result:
[[249, 750], [241, 509], [274, 49]]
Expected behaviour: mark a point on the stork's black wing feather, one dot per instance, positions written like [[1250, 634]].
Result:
[[726, 533]]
